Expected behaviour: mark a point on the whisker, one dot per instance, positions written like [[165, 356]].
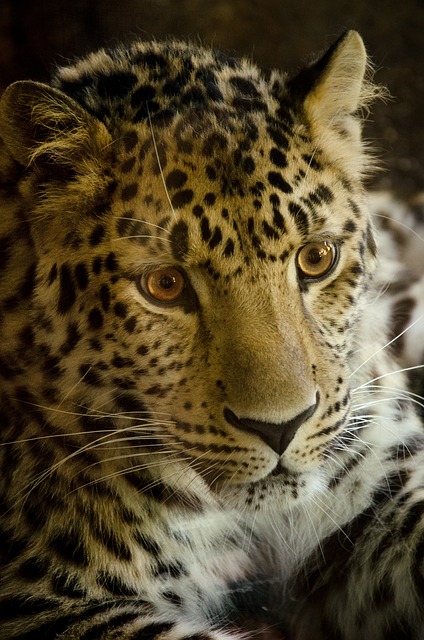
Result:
[[150, 224], [401, 224], [142, 236], [387, 345], [159, 163], [390, 373]]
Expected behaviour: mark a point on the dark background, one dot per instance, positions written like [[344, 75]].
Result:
[[37, 34]]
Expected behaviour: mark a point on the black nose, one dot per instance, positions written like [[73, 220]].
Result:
[[276, 436]]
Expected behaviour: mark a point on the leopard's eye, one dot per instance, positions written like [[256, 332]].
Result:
[[316, 259], [165, 284]]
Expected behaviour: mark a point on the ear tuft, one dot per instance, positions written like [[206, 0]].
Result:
[[339, 88], [332, 92], [40, 123]]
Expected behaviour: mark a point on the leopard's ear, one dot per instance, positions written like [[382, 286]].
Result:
[[332, 91], [40, 124]]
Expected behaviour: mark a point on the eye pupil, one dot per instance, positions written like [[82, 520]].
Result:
[[316, 259], [167, 282], [164, 285], [315, 255]]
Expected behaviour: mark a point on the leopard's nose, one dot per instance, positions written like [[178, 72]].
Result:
[[277, 436]]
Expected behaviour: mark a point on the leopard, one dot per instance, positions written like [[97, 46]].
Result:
[[209, 325]]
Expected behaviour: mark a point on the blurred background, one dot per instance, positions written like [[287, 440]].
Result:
[[36, 35]]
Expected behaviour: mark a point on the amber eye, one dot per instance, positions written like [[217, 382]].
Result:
[[315, 259], [165, 284]]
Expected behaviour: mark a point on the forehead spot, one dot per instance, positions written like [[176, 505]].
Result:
[[179, 240], [176, 179], [276, 180], [130, 140], [182, 198], [129, 192]]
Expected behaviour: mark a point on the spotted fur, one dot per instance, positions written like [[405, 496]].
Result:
[[244, 452]]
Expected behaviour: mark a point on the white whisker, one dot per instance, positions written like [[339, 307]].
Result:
[[408, 328], [159, 163]]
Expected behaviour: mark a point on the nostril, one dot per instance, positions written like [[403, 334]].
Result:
[[276, 436]]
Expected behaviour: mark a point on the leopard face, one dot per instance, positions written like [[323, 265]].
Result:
[[199, 248]]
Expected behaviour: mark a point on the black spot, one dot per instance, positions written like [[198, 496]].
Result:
[[278, 158], [210, 199], [209, 80], [67, 585], [9, 370], [278, 138], [193, 96], [72, 338], [128, 165], [179, 240], [156, 630], [97, 235], [28, 283], [248, 165], [214, 143], [229, 248], [97, 265], [115, 85], [349, 226], [198, 211], [176, 179], [311, 161], [324, 194], [146, 111], [130, 324], [50, 366], [277, 180], [182, 198], [173, 597], [69, 546], [130, 140], [205, 229], [249, 104], [95, 318], [154, 61], [26, 336], [175, 86], [121, 310], [130, 404], [81, 276], [279, 220], [89, 376], [67, 295], [269, 231], [105, 297], [173, 570], [216, 238], [246, 87], [114, 585], [120, 361], [143, 350], [111, 262], [210, 172], [129, 192], [142, 94], [371, 244], [299, 216], [52, 275]]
